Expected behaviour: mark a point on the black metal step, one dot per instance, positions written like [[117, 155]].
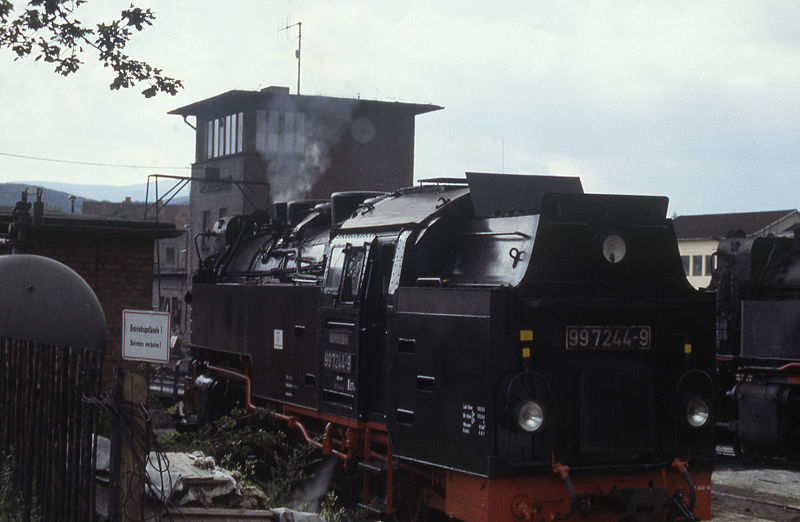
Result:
[[373, 466]]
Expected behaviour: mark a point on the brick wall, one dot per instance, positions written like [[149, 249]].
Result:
[[119, 270]]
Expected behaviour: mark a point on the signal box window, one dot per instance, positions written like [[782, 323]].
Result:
[[685, 261], [697, 265], [170, 256], [224, 135]]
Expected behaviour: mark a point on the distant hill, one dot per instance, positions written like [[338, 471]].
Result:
[[10, 193], [111, 193], [96, 192]]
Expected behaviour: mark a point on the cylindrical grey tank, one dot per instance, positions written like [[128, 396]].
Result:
[[45, 301]]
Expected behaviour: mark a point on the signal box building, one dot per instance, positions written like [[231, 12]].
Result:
[[286, 147]]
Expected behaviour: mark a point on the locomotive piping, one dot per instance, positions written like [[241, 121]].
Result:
[[292, 422], [239, 377], [681, 466], [563, 472]]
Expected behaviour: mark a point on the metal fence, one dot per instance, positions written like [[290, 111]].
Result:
[[47, 428]]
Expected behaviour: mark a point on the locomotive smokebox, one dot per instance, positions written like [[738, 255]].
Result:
[[45, 301], [228, 228]]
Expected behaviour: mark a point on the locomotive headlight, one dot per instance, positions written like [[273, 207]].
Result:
[[614, 248], [697, 411], [530, 416]]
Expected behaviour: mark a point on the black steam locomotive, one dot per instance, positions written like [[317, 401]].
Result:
[[757, 289], [499, 348]]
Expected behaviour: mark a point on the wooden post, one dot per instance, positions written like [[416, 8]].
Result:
[[129, 443]]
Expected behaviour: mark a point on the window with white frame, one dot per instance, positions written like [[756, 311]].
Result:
[[224, 136], [280, 132], [697, 265], [685, 261]]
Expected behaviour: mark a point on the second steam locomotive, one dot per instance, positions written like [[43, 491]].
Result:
[[757, 290], [498, 348]]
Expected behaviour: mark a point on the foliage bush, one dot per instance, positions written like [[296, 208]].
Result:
[[265, 453]]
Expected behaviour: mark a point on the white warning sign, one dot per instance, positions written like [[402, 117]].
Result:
[[145, 336]]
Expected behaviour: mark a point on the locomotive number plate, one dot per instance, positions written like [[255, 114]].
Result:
[[608, 338], [338, 361]]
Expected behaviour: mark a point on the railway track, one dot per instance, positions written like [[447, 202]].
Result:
[[759, 490], [727, 505]]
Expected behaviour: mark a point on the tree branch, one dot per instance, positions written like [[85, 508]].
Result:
[[48, 30]]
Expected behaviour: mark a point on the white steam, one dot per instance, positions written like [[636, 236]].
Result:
[[311, 492], [296, 164]]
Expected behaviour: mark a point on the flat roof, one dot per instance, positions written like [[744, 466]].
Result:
[[241, 98], [59, 222]]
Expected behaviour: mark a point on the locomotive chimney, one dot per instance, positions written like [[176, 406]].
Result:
[[281, 212], [297, 210], [343, 204]]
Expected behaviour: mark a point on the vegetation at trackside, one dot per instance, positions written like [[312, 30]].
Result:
[[268, 456]]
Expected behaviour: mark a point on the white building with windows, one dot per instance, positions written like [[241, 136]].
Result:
[[699, 235]]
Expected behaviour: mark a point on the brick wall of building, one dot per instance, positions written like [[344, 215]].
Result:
[[119, 270]]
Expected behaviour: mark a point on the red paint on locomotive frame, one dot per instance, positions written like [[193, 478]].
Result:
[[511, 499]]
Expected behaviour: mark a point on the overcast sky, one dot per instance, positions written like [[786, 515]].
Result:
[[698, 101]]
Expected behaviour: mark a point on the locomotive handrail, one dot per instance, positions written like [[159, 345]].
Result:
[[494, 234], [785, 367], [339, 324], [431, 281], [305, 279]]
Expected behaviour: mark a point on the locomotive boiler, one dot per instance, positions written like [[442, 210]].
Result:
[[757, 289], [497, 348]]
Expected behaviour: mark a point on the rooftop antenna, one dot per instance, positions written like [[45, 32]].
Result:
[[503, 154], [297, 52]]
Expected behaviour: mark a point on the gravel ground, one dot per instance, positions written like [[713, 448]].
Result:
[[756, 493]]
